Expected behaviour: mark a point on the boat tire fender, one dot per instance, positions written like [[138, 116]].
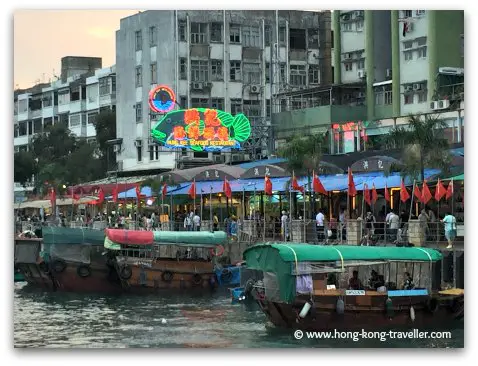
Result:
[[126, 272], [84, 270], [58, 265], [197, 279], [167, 276]]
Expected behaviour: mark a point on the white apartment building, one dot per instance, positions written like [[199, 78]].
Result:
[[75, 100], [216, 59]]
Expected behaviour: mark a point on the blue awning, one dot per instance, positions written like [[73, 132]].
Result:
[[393, 180]]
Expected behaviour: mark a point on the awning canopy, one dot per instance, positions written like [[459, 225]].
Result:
[[457, 177]]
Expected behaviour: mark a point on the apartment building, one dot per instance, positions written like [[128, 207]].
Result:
[[386, 65], [74, 99], [236, 61]]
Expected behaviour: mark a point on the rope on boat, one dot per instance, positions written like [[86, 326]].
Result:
[[295, 258], [341, 258]]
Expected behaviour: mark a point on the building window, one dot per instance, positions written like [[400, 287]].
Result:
[[139, 150], [199, 71], [422, 41], [360, 64], [217, 103], [47, 101], [183, 102], [268, 107], [252, 108], [139, 76], [139, 113], [422, 96], [113, 84], [268, 72], [267, 35], [153, 152], [104, 86], [234, 33], [199, 103], [74, 96], [138, 41], [252, 73], [236, 106], [183, 69], [283, 79], [75, 120], [217, 73], [408, 98], [154, 73], [346, 27], [47, 122], [359, 25], [383, 95], [152, 36], [282, 33], [297, 39], [313, 38], [216, 32], [251, 37], [422, 52], [182, 31], [298, 103], [314, 74], [388, 97], [408, 55], [92, 118], [407, 13], [235, 70], [198, 33], [348, 66], [419, 12], [298, 75]]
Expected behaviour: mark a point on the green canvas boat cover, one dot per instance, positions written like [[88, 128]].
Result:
[[281, 258], [64, 235]]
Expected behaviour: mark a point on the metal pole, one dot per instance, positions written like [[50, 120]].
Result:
[[210, 209], [411, 203], [303, 216], [201, 207]]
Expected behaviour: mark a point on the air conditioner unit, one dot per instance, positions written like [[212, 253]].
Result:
[[410, 27], [138, 143], [361, 74], [440, 104], [346, 17], [433, 105], [408, 88], [255, 89], [389, 73], [219, 158], [358, 13], [348, 56], [197, 86], [361, 95], [417, 86], [236, 157], [451, 70]]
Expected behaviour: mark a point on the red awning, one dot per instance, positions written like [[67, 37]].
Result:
[[107, 188]]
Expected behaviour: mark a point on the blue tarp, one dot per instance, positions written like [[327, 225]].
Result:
[[235, 278], [145, 191]]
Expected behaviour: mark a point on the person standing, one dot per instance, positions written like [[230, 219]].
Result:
[[393, 223], [196, 222], [284, 226], [319, 220], [450, 229], [188, 223], [215, 221]]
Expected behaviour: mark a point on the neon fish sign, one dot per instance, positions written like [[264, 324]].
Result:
[[202, 129]]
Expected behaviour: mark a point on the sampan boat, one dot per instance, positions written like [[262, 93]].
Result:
[[309, 287]]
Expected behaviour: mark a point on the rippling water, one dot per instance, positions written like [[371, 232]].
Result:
[[62, 320]]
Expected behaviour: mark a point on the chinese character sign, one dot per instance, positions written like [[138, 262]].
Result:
[[202, 129]]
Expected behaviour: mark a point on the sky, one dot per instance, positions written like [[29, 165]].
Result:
[[38, 49]]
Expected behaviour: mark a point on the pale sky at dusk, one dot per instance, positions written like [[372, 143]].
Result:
[[39, 48]]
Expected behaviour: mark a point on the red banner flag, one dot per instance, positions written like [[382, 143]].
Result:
[[295, 185], [192, 190], [440, 191], [267, 186], [101, 196], [114, 193], [366, 194], [450, 190], [317, 185], [226, 188], [138, 192], [417, 193], [387, 194], [374, 194], [404, 195], [164, 191], [52, 197], [426, 194], [351, 191]]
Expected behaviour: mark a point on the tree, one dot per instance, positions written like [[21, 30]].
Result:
[[303, 155], [24, 166], [423, 144], [105, 127]]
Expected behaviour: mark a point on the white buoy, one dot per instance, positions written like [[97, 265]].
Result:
[[163, 321], [305, 310], [412, 313]]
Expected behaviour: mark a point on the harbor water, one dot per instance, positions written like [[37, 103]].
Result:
[[66, 320]]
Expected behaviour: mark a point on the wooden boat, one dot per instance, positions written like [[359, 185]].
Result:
[[147, 260], [308, 287], [67, 259]]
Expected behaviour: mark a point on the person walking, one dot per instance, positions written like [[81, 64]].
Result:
[[450, 229]]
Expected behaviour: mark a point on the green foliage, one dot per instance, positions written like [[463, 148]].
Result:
[[24, 166], [423, 144], [304, 153], [105, 127]]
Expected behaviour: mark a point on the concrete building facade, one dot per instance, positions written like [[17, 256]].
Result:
[[236, 61]]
